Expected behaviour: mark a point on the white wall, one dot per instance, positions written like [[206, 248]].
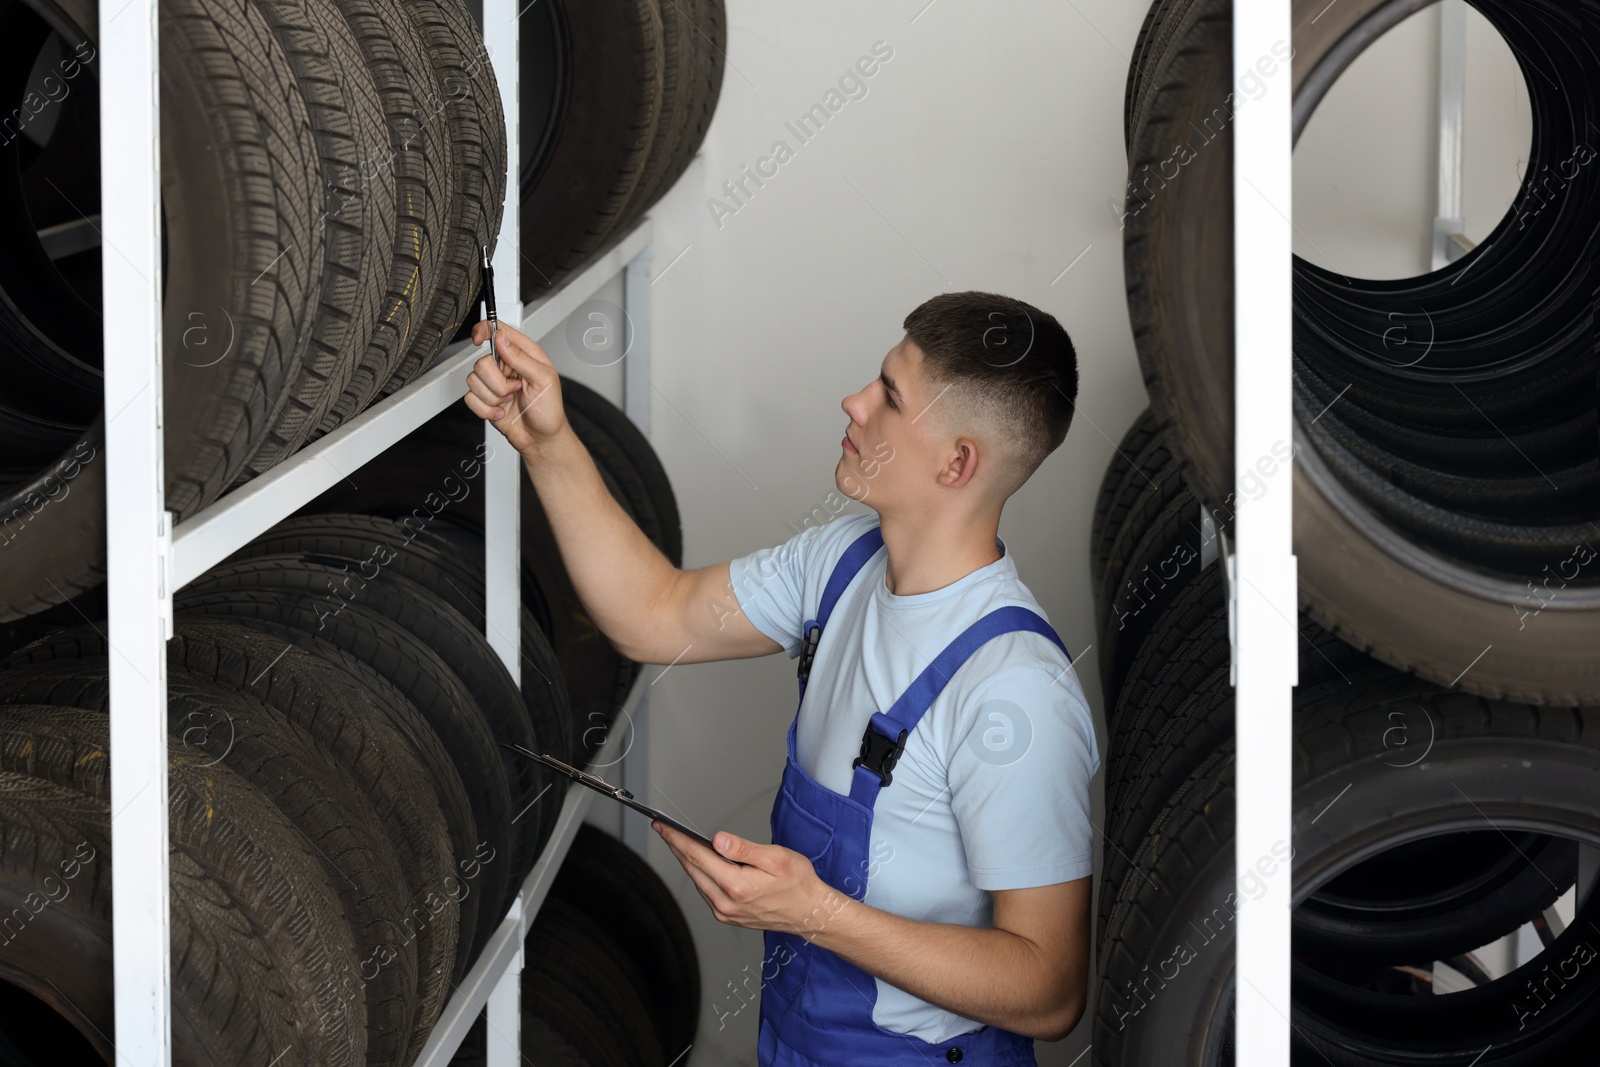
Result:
[[984, 155]]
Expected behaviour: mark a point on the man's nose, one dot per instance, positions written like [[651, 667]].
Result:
[[854, 406]]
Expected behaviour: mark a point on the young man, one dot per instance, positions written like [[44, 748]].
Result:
[[926, 895]]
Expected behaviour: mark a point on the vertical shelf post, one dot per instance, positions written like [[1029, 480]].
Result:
[[1449, 243], [502, 476], [1267, 597], [137, 558], [502, 486], [636, 372], [503, 1012]]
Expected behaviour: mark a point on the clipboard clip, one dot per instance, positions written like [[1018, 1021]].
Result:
[[572, 772]]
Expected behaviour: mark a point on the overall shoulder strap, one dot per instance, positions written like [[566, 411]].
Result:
[[886, 733], [855, 557]]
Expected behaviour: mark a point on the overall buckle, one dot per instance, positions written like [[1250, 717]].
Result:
[[878, 754], [808, 651]]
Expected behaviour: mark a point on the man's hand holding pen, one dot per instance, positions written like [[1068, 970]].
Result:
[[520, 393]]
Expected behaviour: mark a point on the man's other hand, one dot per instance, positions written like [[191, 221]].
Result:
[[523, 397], [778, 889]]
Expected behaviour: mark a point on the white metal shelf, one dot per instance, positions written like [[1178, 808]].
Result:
[[147, 560], [201, 542]]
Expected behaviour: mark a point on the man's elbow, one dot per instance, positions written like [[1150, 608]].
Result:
[[647, 632], [1060, 1019]]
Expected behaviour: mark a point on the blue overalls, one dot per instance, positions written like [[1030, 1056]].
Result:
[[816, 1008]]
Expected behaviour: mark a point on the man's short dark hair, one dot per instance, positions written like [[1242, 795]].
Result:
[[1009, 358]]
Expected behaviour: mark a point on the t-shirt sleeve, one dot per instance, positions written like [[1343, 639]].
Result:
[[770, 585], [1019, 780]]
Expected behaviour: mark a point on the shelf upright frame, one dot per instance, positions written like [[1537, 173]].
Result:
[[149, 560], [1267, 595], [138, 576], [502, 502], [637, 376]]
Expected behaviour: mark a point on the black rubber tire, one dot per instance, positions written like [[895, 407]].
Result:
[[1514, 767], [428, 481], [466, 93], [234, 988], [419, 155], [355, 207], [447, 908], [1379, 566], [548, 1047], [694, 37], [283, 914], [438, 566], [619, 448], [1180, 865], [1434, 899], [414, 668], [611, 81], [1156, 552], [579, 979], [52, 365], [463, 649], [1505, 767], [1129, 460], [614, 886], [320, 699], [1157, 747], [1457, 895], [317, 795], [239, 155], [1153, 35]]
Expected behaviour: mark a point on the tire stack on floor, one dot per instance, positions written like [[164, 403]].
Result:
[[1447, 713]]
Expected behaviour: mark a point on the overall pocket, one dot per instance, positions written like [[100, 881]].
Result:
[[794, 827]]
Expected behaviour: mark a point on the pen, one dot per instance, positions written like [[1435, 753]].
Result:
[[488, 304]]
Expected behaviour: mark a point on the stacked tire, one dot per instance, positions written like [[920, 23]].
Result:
[[1443, 468], [348, 823], [1446, 453], [615, 100], [330, 169], [1428, 823], [354, 823]]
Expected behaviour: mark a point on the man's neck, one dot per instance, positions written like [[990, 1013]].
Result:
[[929, 552]]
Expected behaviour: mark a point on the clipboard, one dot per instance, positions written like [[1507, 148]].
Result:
[[617, 793]]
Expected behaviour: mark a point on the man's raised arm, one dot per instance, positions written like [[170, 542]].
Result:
[[652, 611]]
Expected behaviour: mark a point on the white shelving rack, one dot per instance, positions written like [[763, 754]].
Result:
[[148, 560], [1265, 594]]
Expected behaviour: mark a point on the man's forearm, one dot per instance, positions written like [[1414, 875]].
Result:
[[982, 973], [614, 567]]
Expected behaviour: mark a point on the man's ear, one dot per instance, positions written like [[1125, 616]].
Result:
[[961, 465]]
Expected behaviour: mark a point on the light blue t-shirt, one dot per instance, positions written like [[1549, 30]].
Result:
[[992, 789]]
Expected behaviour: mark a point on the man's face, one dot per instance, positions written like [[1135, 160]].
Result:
[[891, 453]]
